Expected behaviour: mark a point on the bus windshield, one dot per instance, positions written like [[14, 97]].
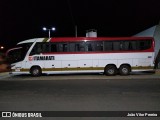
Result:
[[18, 53]]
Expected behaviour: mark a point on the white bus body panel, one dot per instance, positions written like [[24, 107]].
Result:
[[81, 63]]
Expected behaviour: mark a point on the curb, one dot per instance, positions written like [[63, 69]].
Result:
[[4, 75], [157, 72]]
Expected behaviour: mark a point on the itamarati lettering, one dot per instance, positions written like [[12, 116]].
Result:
[[43, 57]]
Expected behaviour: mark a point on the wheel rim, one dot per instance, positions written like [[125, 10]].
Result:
[[111, 71], [125, 70], [35, 72]]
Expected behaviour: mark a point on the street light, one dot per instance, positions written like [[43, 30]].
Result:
[[1, 47], [49, 30]]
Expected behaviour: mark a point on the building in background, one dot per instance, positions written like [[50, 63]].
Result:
[[91, 33]]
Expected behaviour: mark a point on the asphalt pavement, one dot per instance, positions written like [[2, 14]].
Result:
[[90, 92]]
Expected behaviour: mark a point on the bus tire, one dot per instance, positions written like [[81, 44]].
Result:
[[35, 71], [124, 70], [110, 70]]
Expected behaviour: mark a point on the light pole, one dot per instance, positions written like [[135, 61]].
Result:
[[49, 30]]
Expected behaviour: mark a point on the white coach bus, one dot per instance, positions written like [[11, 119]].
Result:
[[110, 55]]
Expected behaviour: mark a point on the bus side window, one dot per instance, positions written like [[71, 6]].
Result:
[[72, 47], [53, 47], [116, 45], [99, 46], [46, 47], [62, 47], [79, 47], [89, 46], [144, 44], [124, 45], [148, 44], [133, 45], [37, 49], [82, 46], [65, 47], [108, 46]]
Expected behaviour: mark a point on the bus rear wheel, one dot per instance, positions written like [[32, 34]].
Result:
[[110, 70], [36, 71], [124, 70]]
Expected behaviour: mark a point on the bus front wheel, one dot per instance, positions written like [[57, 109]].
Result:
[[36, 71], [110, 70]]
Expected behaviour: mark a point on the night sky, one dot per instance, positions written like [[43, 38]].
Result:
[[24, 19]]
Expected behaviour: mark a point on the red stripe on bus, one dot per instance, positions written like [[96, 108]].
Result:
[[73, 39]]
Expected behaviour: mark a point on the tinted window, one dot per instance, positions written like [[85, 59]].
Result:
[[40, 48], [18, 54], [144, 44], [72, 47], [108, 46], [76, 46], [54, 48], [91, 46], [99, 46], [62, 47], [132, 45], [127, 45], [116, 45], [124, 45]]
